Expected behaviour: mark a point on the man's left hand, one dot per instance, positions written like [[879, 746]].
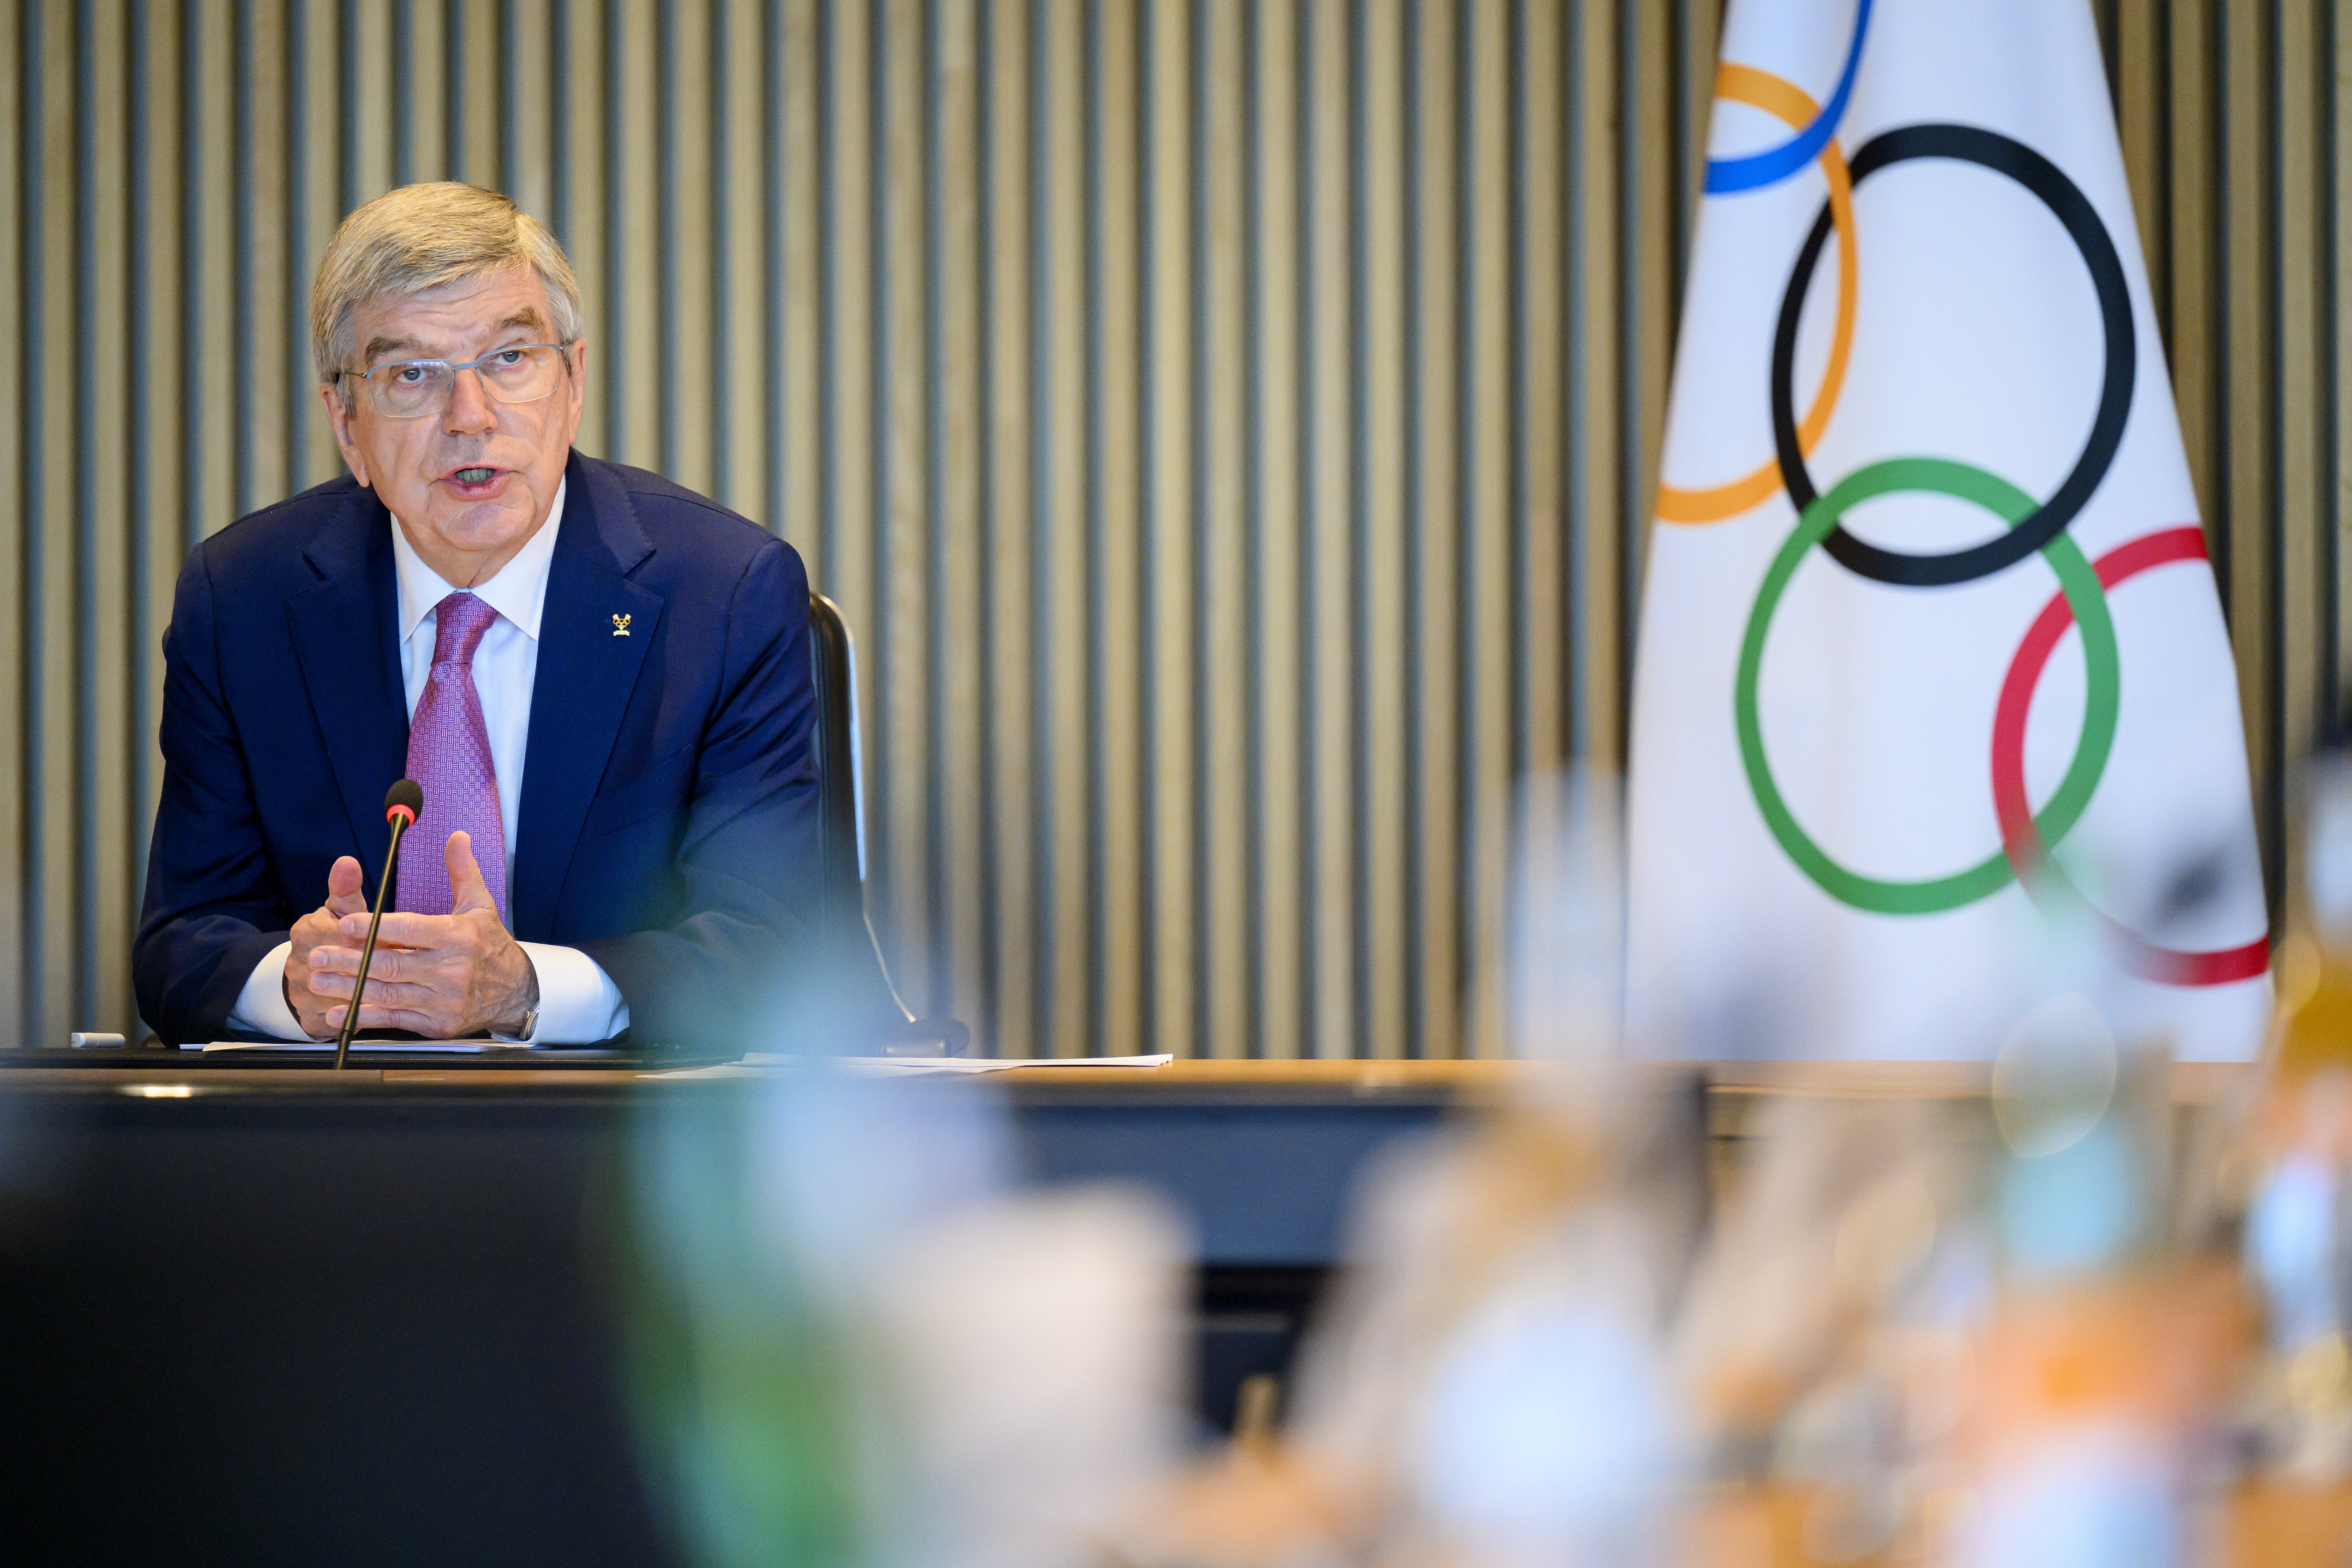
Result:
[[442, 976]]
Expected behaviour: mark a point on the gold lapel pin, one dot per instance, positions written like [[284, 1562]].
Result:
[[620, 625]]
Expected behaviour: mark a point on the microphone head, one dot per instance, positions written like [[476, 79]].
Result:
[[404, 799]]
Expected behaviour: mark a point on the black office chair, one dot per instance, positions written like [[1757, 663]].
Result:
[[841, 849]]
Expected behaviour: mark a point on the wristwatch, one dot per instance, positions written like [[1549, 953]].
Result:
[[529, 1027]]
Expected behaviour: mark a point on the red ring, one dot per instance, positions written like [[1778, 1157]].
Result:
[[2021, 841]]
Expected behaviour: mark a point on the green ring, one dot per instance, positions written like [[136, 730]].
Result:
[[2103, 698]]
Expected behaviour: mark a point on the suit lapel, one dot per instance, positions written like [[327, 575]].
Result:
[[346, 638], [586, 675]]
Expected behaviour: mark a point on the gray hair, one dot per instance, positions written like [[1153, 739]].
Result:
[[421, 237]]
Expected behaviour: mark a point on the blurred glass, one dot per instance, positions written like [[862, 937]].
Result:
[[853, 1343]]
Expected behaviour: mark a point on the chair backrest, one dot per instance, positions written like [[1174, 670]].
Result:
[[856, 969], [841, 827]]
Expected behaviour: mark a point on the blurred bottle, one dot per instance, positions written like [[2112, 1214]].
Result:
[[2314, 1029], [853, 1343], [2108, 1350], [2297, 1162]]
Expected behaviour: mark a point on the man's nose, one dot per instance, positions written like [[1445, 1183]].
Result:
[[469, 411]]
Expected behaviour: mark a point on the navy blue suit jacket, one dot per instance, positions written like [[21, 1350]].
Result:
[[668, 823]]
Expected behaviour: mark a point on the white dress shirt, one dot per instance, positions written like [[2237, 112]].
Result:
[[578, 1002]]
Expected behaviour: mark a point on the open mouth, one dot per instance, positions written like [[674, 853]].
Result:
[[476, 481]]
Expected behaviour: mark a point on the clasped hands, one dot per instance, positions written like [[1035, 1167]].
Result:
[[441, 977]]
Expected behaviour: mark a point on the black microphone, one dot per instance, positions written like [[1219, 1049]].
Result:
[[402, 802]]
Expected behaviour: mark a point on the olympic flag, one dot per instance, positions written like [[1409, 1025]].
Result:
[[1933, 681]]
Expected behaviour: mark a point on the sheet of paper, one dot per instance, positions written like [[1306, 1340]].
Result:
[[760, 1064], [913, 1067], [404, 1048]]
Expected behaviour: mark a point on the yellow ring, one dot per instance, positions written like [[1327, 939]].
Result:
[[1784, 100]]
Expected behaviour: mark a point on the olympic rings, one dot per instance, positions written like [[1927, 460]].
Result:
[[2002, 155], [2022, 840], [1753, 171], [2079, 585], [1760, 90]]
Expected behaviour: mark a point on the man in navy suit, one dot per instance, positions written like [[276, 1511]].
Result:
[[601, 679]]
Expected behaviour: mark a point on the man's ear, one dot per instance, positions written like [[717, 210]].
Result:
[[339, 420]]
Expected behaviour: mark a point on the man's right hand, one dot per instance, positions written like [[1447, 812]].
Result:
[[322, 927]]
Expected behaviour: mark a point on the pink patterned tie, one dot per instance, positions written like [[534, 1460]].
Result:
[[449, 754]]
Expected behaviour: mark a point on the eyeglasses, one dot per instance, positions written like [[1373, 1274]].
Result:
[[412, 388]]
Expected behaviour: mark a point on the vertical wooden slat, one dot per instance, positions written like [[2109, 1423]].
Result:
[[740, 317], [2248, 405], [214, 380], [712, 109], [1646, 214], [51, 537], [1539, 653], [319, 204], [2298, 509], [103, 658], [1167, 438], [1229, 504], [52, 915], [685, 314], [474, 38], [2338, 196], [634, 328], [846, 81], [1484, 586], [1062, 533], [1699, 43], [526, 147], [261, 257], [1114, 608], [1590, 406], [18, 507], [156, 387], [1432, 596], [1377, 651], [1256, 970], [366, 76], [2139, 119], [688, 407], [1006, 649], [803, 383], [1331, 1031], [2195, 228], [898, 751], [423, 109], [584, 87], [956, 687], [847, 217]]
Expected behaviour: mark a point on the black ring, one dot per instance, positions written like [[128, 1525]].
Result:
[[1990, 150]]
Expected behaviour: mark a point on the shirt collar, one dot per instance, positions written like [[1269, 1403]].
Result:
[[518, 591]]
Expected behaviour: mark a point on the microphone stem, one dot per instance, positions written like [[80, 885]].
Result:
[[367, 952]]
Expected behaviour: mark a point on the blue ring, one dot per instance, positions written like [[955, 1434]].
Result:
[[1726, 176]]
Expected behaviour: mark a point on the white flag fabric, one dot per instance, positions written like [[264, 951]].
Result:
[[1933, 686]]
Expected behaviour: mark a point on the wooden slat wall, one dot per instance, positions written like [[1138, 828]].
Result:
[[1229, 425]]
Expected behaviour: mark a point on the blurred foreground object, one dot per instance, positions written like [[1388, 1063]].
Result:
[[1488, 1385], [2296, 1164], [855, 1347], [1971, 1331]]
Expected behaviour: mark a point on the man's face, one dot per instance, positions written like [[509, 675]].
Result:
[[471, 483]]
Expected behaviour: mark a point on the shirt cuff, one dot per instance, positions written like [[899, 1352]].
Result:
[[261, 1006], [578, 1002]]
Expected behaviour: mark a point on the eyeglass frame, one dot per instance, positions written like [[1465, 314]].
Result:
[[563, 349]]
